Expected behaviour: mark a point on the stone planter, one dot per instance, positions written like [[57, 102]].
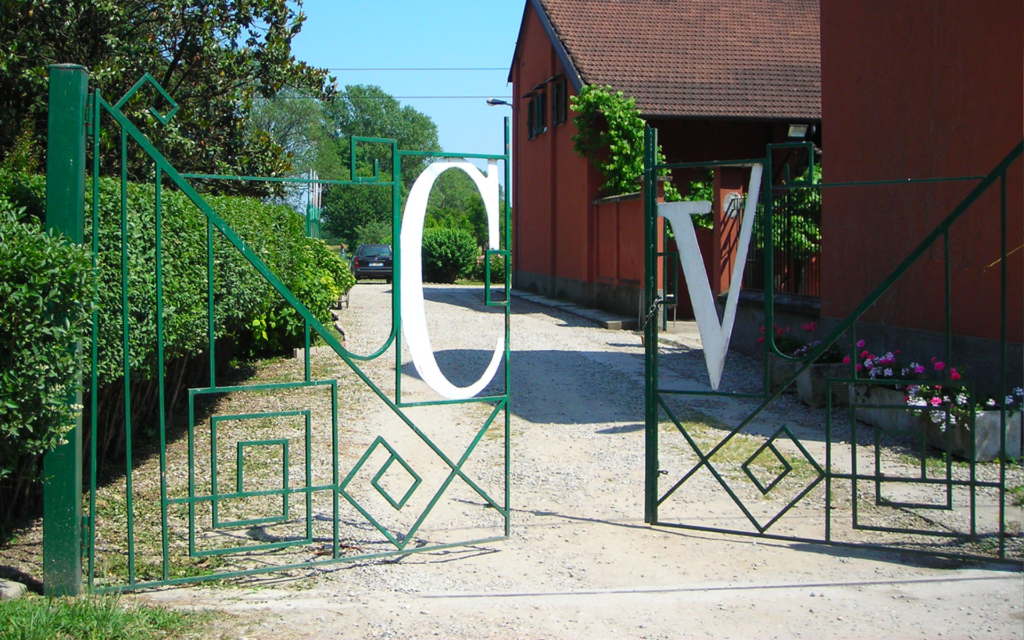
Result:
[[986, 440], [893, 420], [812, 384], [779, 373]]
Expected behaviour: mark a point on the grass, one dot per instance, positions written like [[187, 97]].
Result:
[[96, 617]]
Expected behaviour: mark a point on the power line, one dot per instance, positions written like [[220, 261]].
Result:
[[406, 97], [417, 68]]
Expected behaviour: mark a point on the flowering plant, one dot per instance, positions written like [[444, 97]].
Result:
[[786, 341], [936, 402], [832, 355]]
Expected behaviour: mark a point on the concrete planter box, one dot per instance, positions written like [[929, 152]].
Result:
[[812, 385], [779, 373], [893, 420], [986, 442]]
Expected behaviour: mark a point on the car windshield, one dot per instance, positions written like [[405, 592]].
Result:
[[373, 251]]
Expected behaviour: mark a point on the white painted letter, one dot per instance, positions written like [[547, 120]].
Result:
[[414, 318]]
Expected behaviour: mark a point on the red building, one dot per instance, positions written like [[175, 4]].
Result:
[[719, 79], [923, 90]]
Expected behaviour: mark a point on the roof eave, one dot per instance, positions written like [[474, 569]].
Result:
[[563, 54]]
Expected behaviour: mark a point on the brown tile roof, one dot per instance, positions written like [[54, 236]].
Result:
[[703, 58]]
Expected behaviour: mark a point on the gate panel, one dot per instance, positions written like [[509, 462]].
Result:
[[328, 462], [892, 459]]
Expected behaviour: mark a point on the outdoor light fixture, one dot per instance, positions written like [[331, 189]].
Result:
[[538, 87], [798, 130], [498, 102], [529, 95]]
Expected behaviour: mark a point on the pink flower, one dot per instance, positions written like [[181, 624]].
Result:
[[953, 375], [860, 344], [760, 340], [919, 368], [936, 401], [863, 354], [762, 329], [846, 360], [810, 327], [859, 367], [940, 365], [897, 352]]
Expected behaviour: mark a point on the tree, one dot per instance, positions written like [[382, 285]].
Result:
[[214, 57], [368, 111]]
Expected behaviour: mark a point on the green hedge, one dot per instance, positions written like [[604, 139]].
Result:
[[46, 286], [447, 254], [251, 317]]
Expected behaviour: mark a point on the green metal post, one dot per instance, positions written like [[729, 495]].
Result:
[[649, 329], [65, 205]]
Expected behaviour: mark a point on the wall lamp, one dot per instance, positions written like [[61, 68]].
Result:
[[498, 102], [798, 130]]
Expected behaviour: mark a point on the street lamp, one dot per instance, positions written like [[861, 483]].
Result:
[[498, 102]]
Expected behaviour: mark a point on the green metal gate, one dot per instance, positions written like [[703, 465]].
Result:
[[740, 460], [260, 477]]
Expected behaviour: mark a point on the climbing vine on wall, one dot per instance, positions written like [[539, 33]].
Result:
[[611, 134]]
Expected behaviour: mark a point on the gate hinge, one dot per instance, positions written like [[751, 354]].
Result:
[[662, 472], [90, 111]]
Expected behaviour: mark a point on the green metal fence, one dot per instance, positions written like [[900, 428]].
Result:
[[262, 476], [828, 476]]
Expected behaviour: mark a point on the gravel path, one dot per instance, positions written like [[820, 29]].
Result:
[[580, 562]]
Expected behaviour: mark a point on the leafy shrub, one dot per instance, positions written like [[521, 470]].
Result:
[[611, 133], [447, 254], [46, 286], [251, 317], [497, 269]]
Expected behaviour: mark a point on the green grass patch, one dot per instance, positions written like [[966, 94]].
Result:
[[96, 617]]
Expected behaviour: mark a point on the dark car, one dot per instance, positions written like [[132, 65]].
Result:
[[372, 261]]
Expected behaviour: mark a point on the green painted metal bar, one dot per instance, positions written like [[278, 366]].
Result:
[[877, 183], [126, 360], [211, 318], [508, 329], [396, 264], [94, 363], [335, 541], [848, 545], [445, 154], [227, 178], [161, 392], [65, 196], [656, 167], [650, 332]]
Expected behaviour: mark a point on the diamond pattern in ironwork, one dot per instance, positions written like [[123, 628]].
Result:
[[397, 504], [384, 469], [150, 80], [786, 467]]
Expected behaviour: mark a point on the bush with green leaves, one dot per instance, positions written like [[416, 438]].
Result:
[[447, 254], [610, 131], [46, 284], [251, 317]]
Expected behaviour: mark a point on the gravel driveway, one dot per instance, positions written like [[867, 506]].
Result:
[[580, 562]]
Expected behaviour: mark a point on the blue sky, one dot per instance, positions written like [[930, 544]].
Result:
[[402, 34]]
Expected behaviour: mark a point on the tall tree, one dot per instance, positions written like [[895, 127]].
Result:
[[214, 57], [368, 111]]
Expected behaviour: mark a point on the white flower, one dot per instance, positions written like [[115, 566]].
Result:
[[961, 398], [1009, 400], [868, 363], [888, 373], [1019, 391], [991, 402]]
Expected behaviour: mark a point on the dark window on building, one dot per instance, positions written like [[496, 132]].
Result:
[[536, 115], [559, 102]]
